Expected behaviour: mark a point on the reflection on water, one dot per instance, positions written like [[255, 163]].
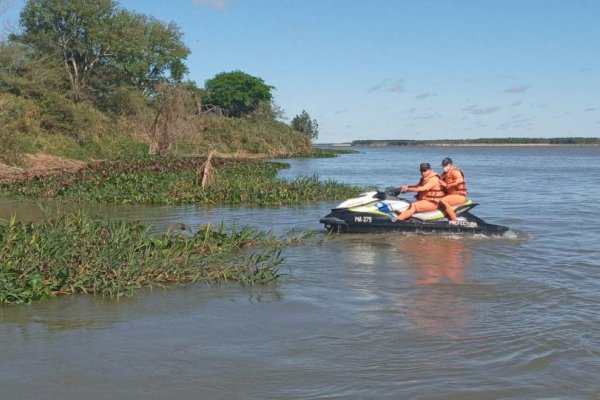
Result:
[[435, 264], [24, 210], [436, 259]]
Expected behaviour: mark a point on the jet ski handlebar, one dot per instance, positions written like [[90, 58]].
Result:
[[383, 195], [380, 195]]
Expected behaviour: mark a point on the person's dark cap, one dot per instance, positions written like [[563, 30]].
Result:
[[425, 166], [446, 161]]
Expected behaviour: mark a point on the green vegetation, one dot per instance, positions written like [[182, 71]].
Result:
[[87, 79], [325, 153], [303, 123], [482, 141], [165, 180], [231, 135], [74, 253], [237, 92], [102, 46]]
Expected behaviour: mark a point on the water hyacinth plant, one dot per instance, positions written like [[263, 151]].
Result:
[[174, 181], [75, 253]]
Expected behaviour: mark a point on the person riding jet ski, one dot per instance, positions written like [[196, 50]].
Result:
[[455, 187], [379, 212], [429, 192]]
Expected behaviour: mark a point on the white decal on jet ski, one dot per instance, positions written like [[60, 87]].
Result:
[[362, 219], [469, 224]]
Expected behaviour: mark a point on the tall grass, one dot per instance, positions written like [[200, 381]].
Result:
[[58, 126], [231, 135], [74, 253]]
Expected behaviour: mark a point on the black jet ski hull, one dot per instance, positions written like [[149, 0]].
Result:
[[345, 221]]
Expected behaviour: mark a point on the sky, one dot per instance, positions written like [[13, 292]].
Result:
[[386, 69]]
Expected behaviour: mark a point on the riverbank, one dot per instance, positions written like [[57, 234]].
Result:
[[38, 165]]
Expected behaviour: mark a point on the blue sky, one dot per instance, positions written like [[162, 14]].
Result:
[[404, 69]]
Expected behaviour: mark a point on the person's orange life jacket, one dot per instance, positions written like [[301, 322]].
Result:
[[435, 193], [449, 178]]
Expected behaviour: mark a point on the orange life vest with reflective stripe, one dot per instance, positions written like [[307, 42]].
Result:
[[461, 188], [435, 193]]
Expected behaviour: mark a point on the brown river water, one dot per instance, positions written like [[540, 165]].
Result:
[[390, 316]]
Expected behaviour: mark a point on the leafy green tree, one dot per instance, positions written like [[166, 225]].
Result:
[[149, 54], [237, 92], [303, 123], [148, 51], [102, 46], [26, 73], [78, 31]]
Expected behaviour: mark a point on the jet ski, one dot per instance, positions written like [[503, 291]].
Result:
[[375, 212]]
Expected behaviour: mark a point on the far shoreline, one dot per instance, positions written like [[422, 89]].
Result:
[[481, 142], [467, 145]]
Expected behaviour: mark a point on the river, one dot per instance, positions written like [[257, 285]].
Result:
[[391, 316]]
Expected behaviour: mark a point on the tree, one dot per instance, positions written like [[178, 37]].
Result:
[[170, 105], [266, 111], [102, 46], [304, 124], [77, 31], [149, 51], [24, 72], [237, 92]]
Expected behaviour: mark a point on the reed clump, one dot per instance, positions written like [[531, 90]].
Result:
[[164, 180], [75, 253]]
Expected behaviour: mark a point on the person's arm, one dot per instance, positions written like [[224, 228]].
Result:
[[416, 188], [457, 179], [409, 188]]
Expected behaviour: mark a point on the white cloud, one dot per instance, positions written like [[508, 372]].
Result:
[[214, 4], [426, 117], [424, 96], [516, 89], [481, 110], [388, 85], [518, 121]]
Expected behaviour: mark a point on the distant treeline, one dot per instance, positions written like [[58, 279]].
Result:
[[481, 141]]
